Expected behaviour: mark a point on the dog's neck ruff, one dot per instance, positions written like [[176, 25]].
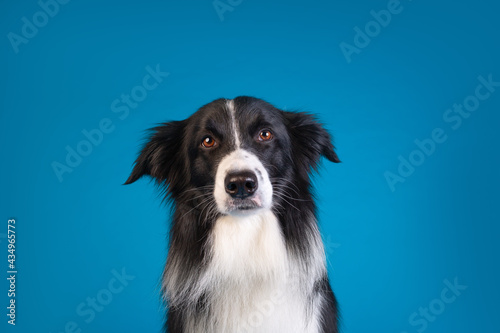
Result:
[[252, 283]]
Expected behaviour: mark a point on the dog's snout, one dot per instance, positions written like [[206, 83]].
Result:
[[241, 184]]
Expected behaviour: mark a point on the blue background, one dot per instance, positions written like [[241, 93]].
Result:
[[389, 251]]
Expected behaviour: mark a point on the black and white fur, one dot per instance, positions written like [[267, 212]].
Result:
[[252, 263]]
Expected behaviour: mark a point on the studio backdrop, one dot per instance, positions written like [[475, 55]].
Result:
[[410, 90]]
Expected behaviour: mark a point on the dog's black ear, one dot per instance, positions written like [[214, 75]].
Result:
[[159, 158], [309, 138]]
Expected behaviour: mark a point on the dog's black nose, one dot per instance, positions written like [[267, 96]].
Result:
[[241, 185]]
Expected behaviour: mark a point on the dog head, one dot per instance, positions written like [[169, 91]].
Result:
[[239, 156]]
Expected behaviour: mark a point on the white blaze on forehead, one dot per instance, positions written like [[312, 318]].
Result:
[[232, 113]]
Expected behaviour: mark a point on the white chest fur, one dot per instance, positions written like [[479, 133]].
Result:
[[252, 283]]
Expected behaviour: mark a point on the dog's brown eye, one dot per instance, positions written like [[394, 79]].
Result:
[[265, 135], [208, 142]]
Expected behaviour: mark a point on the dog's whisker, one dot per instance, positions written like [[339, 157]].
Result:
[[284, 199], [271, 166], [212, 214], [200, 196], [286, 186], [189, 211], [292, 198], [276, 204], [281, 186], [277, 182], [289, 203], [201, 188], [287, 182], [201, 213]]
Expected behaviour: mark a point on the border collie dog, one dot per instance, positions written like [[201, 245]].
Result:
[[245, 252]]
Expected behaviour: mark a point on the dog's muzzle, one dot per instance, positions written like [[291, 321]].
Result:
[[242, 185]]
